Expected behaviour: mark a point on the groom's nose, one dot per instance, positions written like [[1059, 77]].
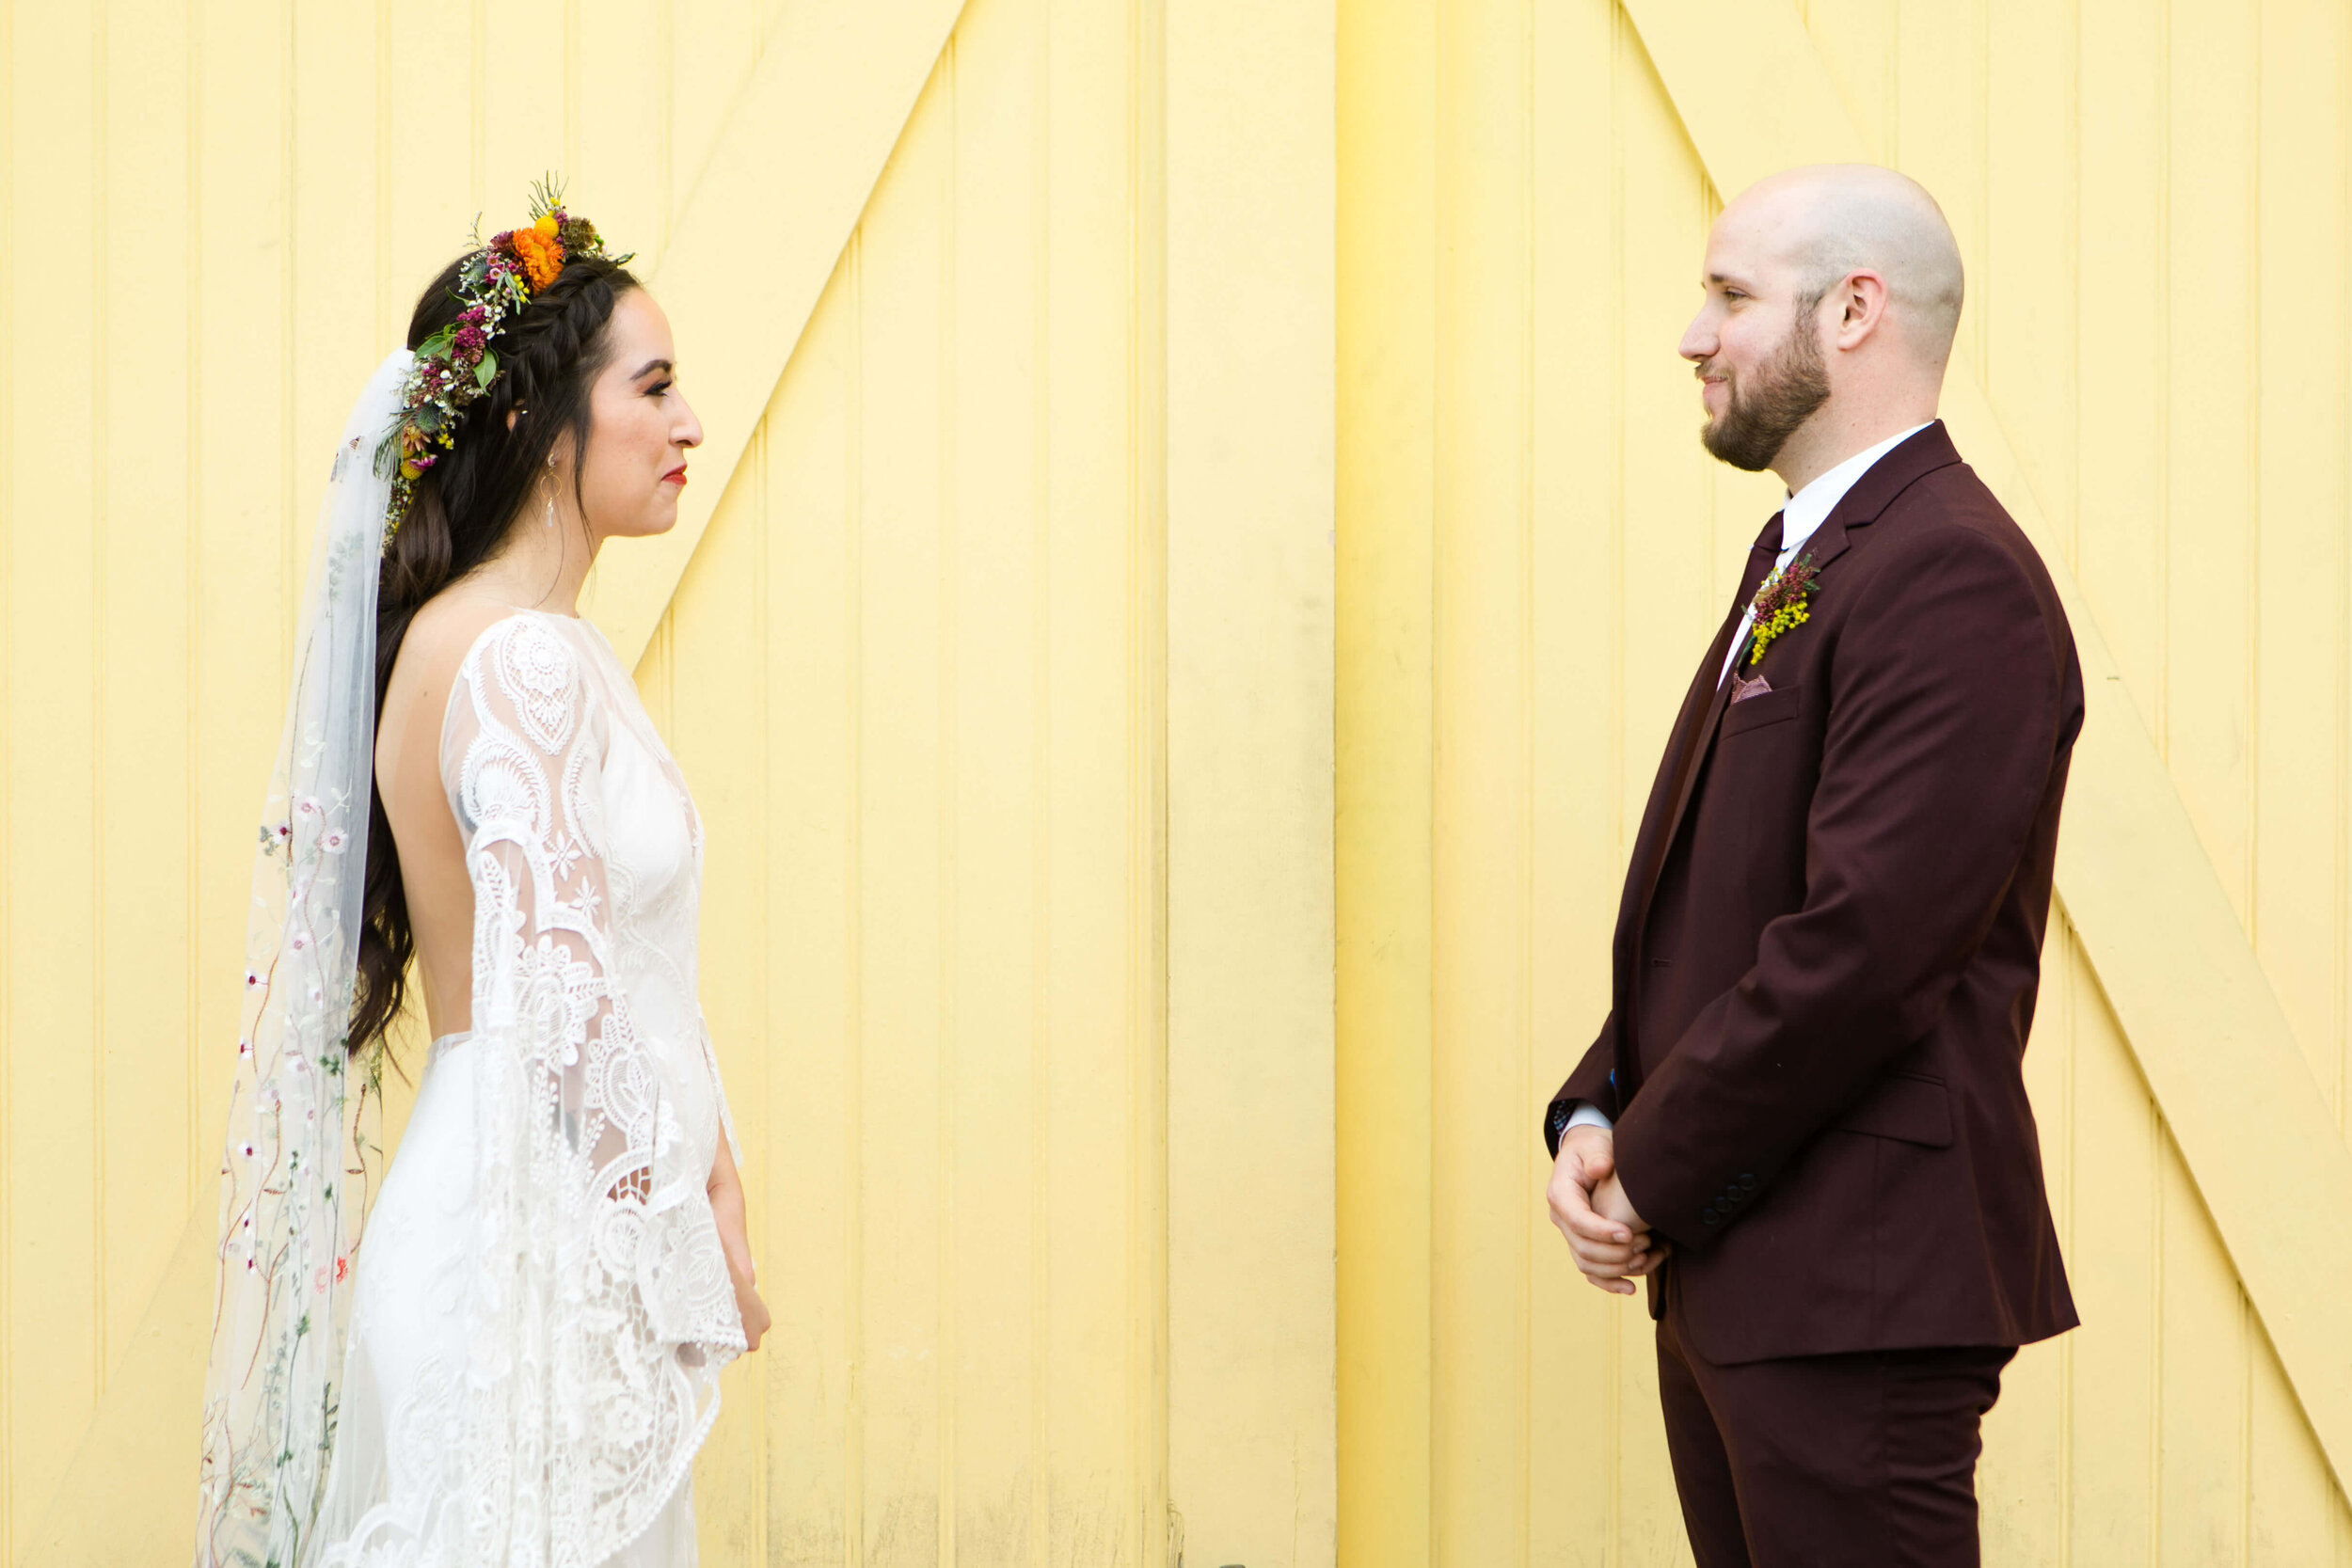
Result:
[[1698, 338]]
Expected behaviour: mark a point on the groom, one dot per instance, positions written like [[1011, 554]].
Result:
[[1804, 1117]]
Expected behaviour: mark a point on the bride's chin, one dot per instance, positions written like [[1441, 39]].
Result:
[[655, 524]]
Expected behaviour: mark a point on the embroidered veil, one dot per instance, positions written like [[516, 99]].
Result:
[[301, 1121]]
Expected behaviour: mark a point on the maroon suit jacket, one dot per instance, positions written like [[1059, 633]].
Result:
[[1830, 942]]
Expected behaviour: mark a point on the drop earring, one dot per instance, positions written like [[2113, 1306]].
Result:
[[550, 490]]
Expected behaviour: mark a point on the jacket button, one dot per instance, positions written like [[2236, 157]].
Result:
[[1710, 1216], [1747, 1182]]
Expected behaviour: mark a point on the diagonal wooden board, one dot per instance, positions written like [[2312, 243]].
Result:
[[2202, 1018], [763, 227], [765, 224]]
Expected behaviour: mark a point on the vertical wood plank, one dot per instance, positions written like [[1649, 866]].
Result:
[[618, 139], [1671, 601], [716, 734], [332, 212], [2211, 384], [2113, 1267], [808, 734], [57, 1295], [2024, 1481], [1942, 126], [523, 113], [1388, 179], [1858, 40], [8, 513], [1576, 1454], [430, 121], [144, 701], [712, 49], [242, 585], [991, 1384], [1485, 1170], [2121, 185], [2023, 286], [1249, 370], [1090, 1412], [899, 782], [2201, 1394], [2292, 1505], [2301, 494]]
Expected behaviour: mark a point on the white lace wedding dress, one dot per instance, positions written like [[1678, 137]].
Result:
[[542, 1308]]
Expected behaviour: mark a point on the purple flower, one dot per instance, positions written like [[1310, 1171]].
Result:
[[470, 342]]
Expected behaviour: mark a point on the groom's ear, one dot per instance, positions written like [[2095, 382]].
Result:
[[1862, 300]]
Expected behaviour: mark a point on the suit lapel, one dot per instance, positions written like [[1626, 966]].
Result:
[[1699, 706], [1693, 740], [1890, 476]]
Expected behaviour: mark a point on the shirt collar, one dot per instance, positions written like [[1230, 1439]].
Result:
[[1810, 507]]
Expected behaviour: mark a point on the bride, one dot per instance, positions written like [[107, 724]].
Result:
[[519, 1364]]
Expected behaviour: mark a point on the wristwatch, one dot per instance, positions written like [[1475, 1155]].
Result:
[[1556, 1124]]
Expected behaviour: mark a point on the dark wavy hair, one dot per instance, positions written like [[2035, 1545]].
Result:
[[465, 504]]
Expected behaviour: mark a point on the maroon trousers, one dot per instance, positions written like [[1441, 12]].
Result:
[[1866, 1460]]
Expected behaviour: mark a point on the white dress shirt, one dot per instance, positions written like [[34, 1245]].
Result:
[[1805, 512]]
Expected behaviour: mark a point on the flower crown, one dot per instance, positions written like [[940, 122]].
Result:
[[456, 364]]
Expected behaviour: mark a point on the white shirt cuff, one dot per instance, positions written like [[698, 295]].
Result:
[[1587, 1114]]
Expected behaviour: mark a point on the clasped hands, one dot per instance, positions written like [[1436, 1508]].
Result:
[[1612, 1245]]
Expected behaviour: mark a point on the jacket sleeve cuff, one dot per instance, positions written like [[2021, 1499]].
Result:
[[1570, 1109], [1694, 1219]]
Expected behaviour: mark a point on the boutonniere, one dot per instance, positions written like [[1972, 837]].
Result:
[[1780, 605]]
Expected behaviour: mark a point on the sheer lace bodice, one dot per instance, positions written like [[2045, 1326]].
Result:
[[543, 1306]]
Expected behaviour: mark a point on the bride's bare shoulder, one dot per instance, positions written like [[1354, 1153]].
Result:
[[450, 625], [434, 649]]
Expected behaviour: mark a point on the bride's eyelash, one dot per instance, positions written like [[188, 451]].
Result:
[[658, 388]]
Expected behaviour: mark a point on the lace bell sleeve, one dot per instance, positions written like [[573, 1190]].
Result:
[[601, 1306], [719, 1091]]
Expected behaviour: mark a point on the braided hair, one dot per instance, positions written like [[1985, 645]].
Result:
[[549, 354]]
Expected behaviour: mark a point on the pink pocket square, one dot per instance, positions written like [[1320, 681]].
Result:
[[1742, 687]]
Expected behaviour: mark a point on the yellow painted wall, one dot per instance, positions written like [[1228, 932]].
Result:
[[1002, 672], [2154, 203], [1022, 866]]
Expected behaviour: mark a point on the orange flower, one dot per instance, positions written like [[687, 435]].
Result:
[[542, 258]]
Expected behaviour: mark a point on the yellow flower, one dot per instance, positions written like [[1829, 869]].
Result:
[[545, 225]]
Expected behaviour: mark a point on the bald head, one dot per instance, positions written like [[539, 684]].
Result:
[[1831, 220]]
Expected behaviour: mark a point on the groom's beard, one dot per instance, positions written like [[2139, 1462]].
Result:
[[1757, 420]]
